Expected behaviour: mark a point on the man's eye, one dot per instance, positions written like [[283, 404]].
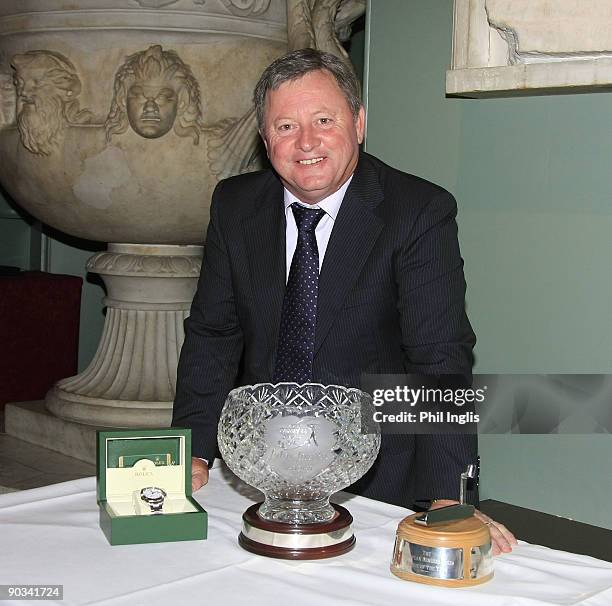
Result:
[[284, 127], [325, 121]]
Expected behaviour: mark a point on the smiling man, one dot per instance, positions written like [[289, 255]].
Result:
[[330, 266]]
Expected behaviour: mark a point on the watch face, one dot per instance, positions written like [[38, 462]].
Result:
[[152, 493]]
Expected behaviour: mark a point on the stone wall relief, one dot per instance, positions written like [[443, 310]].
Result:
[[514, 47], [244, 8], [537, 31], [154, 92], [240, 8], [234, 146], [311, 23], [47, 86]]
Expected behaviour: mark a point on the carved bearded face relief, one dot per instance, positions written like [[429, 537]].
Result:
[[47, 85], [152, 106], [32, 84]]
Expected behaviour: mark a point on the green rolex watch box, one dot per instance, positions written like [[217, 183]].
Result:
[[144, 487]]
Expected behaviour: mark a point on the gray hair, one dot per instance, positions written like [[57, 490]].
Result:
[[298, 63]]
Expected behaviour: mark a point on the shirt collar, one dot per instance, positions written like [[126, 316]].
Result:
[[331, 204]]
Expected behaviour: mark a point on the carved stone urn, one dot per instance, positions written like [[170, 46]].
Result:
[[117, 119]]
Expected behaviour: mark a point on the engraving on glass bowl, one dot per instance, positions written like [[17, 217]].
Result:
[[299, 448]]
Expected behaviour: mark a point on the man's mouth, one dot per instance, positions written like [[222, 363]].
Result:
[[310, 161], [150, 118]]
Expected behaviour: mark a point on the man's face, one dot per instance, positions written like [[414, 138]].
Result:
[[311, 136], [151, 107]]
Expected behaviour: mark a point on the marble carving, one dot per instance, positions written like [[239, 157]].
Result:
[[153, 91], [47, 87], [520, 46], [244, 8]]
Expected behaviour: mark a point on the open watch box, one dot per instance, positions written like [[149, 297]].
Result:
[[144, 487]]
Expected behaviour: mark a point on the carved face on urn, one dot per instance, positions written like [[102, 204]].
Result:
[[152, 106], [47, 86], [155, 92]]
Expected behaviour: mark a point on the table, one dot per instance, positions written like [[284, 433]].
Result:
[[50, 535]]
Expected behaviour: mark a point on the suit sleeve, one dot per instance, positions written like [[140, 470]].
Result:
[[437, 338], [210, 357]]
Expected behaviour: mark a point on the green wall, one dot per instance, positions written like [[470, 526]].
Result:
[[533, 182], [14, 237]]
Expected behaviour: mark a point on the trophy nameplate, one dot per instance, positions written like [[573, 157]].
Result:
[[453, 554]]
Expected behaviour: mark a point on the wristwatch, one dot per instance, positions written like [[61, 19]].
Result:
[[154, 498]]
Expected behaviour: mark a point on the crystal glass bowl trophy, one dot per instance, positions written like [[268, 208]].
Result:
[[298, 444]]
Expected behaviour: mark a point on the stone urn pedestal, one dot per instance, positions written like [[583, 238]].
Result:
[[132, 379]]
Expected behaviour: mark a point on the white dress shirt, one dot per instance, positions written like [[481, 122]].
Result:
[[331, 206]]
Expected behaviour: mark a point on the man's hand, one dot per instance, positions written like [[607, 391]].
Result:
[[502, 539], [199, 474]]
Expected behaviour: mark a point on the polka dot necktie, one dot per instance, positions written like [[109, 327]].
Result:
[[298, 319]]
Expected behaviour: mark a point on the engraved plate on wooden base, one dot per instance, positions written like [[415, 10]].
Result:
[[451, 554]]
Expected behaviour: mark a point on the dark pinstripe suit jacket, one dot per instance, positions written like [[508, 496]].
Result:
[[391, 300]]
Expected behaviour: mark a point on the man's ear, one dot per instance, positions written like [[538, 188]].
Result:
[[265, 142], [360, 124]]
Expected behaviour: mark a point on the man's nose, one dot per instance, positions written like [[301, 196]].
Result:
[[308, 138]]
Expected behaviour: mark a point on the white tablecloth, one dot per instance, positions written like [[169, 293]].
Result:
[[51, 535]]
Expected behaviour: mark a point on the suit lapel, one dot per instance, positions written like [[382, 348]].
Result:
[[355, 231], [264, 234]]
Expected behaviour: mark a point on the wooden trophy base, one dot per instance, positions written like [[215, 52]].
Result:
[[295, 541], [452, 554]]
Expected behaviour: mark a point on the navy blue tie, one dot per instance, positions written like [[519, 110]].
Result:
[[295, 350]]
